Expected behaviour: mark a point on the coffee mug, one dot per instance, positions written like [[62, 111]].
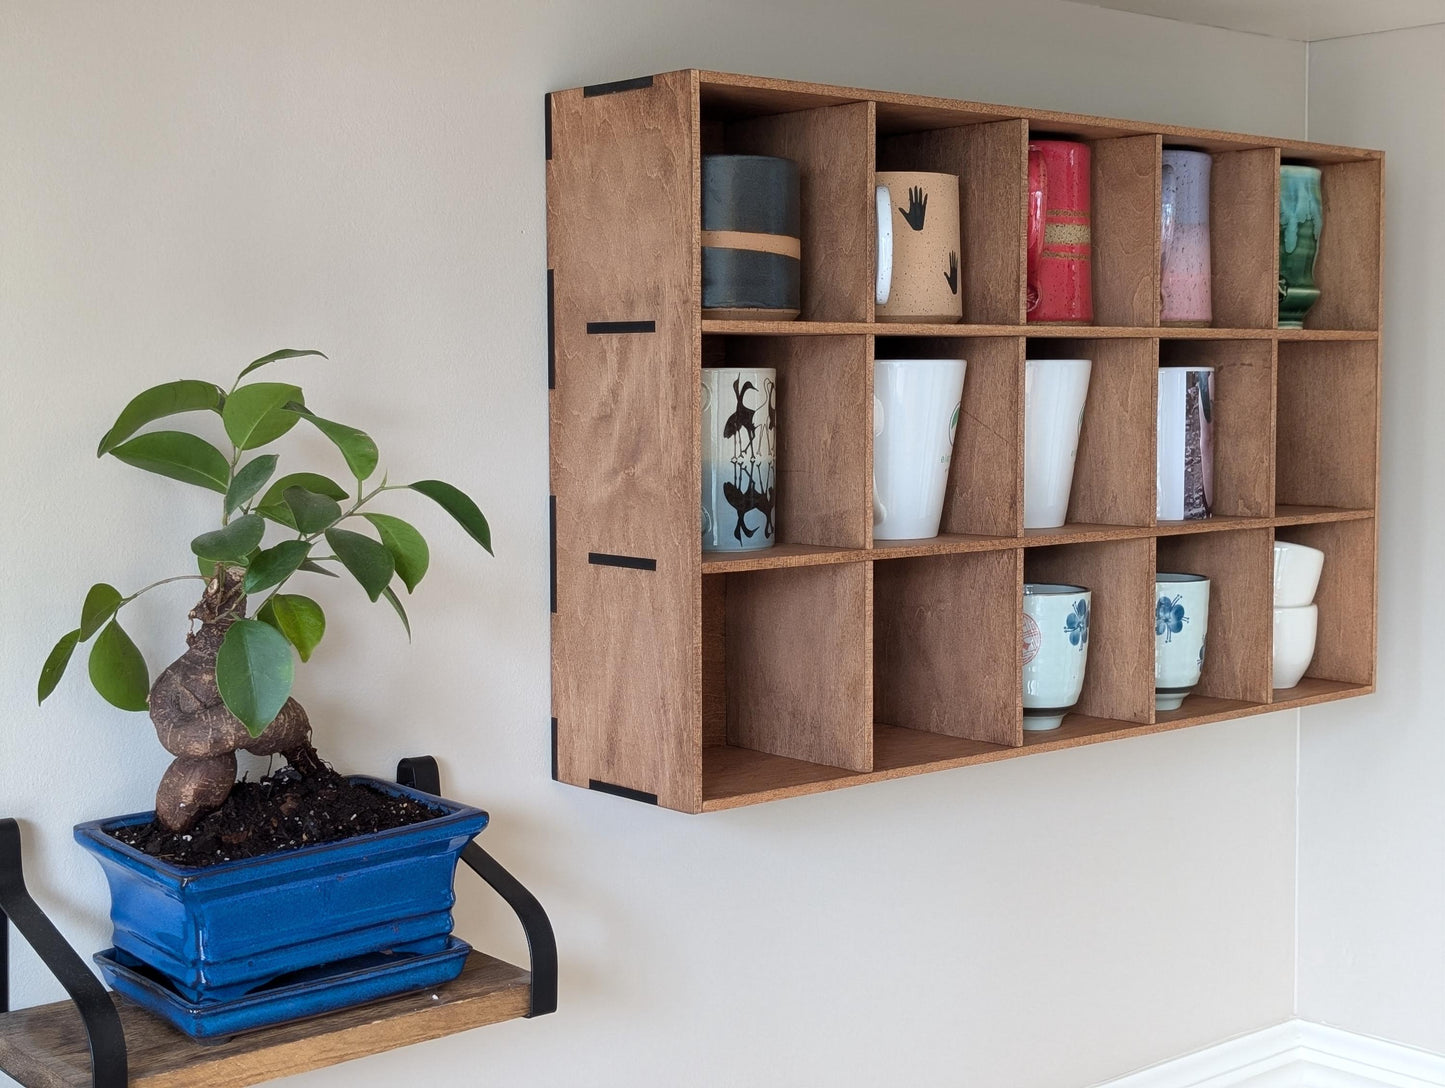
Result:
[[751, 237], [1054, 394], [1184, 273], [915, 416], [739, 449], [1297, 570], [1056, 649], [1295, 630], [1184, 443], [1301, 223], [1181, 624], [919, 276], [1060, 233]]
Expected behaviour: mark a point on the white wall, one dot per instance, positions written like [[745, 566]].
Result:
[[1372, 803], [187, 186]]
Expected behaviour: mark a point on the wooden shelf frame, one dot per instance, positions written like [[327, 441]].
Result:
[[704, 681]]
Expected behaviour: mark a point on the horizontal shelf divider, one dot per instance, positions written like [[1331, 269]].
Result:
[[734, 777], [716, 327]]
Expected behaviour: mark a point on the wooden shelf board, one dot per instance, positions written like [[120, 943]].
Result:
[[1081, 533], [778, 556], [45, 1047], [943, 544], [1219, 523], [1312, 690], [1311, 515], [716, 327]]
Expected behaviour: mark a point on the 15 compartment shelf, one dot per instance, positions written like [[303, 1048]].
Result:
[[708, 681]]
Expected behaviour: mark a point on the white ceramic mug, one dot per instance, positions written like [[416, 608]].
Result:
[[1184, 443], [1056, 650], [1181, 624], [1297, 570], [739, 450], [915, 416], [1054, 395], [1295, 630]]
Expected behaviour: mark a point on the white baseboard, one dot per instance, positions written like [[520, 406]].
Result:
[[1296, 1054]]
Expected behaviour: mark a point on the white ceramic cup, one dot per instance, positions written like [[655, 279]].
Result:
[[1181, 625], [1054, 395], [739, 458], [1056, 649], [1297, 570], [1184, 443], [1294, 643], [915, 415]]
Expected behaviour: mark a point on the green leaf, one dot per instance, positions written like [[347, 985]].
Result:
[[54, 667], [179, 456], [284, 353], [254, 671], [274, 565], [369, 562], [249, 479], [157, 403], [254, 414], [311, 481], [390, 595], [459, 506], [299, 618], [118, 670], [311, 567], [100, 604], [356, 446], [231, 543], [310, 512], [407, 546]]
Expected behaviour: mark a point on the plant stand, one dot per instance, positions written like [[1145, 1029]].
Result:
[[100, 1040]]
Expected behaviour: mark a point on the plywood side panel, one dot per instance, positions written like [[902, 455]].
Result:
[[946, 649], [1126, 230], [1244, 238], [1114, 472], [1347, 267], [799, 664], [834, 149], [1327, 428], [623, 242]]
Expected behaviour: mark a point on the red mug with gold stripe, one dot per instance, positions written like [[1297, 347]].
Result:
[[1060, 251]]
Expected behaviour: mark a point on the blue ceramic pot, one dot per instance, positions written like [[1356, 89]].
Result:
[[223, 931]]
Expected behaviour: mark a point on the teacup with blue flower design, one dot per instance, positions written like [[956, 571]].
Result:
[[1056, 649], [1181, 625]]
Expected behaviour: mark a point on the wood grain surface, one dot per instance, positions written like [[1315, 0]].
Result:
[[1345, 645], [1126, 193], [1243, 234], [1327, 428]]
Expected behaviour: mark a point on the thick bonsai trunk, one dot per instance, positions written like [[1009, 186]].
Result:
[[194, 725]]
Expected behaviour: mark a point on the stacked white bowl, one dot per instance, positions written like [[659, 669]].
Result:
[[1296, 616]]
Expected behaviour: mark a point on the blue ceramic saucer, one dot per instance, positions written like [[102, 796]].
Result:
[[293, 997]]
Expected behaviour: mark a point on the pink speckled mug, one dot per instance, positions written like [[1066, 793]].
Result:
[[1184, 253]]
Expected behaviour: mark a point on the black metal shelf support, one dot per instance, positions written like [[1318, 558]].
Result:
[[106, 1037]]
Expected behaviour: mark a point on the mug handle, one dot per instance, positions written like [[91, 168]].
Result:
[[1038, 186], [883, 285]]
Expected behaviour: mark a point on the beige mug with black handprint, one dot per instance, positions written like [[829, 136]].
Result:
[[919, 273]]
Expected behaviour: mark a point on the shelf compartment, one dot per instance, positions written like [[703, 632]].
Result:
[[1114, 471], [1119, 676], [834, 149], [946, 645], [1239, 567], [45, 1047], [990, 161], [1244, 237], [1243, 419], [1326, 432], [1345, 646], [825, 434], [786, 664], [985, 481], [1347, 267]]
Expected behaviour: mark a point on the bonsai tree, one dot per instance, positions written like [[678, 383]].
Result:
[[231, 690]]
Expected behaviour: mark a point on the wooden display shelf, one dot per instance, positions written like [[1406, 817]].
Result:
[[705, 681], [45, 1046]]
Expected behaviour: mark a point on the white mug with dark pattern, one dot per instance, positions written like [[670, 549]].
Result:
[[1055, 651], [739, 455], [1181, 624]]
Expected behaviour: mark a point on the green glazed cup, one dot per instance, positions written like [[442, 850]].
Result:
[[1301, 221]]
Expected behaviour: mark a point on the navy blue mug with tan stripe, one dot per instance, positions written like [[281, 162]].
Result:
[[751, 245]]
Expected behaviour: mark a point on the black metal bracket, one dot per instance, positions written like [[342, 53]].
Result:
[[102, 1023], [422, 773], [103, 1031]]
